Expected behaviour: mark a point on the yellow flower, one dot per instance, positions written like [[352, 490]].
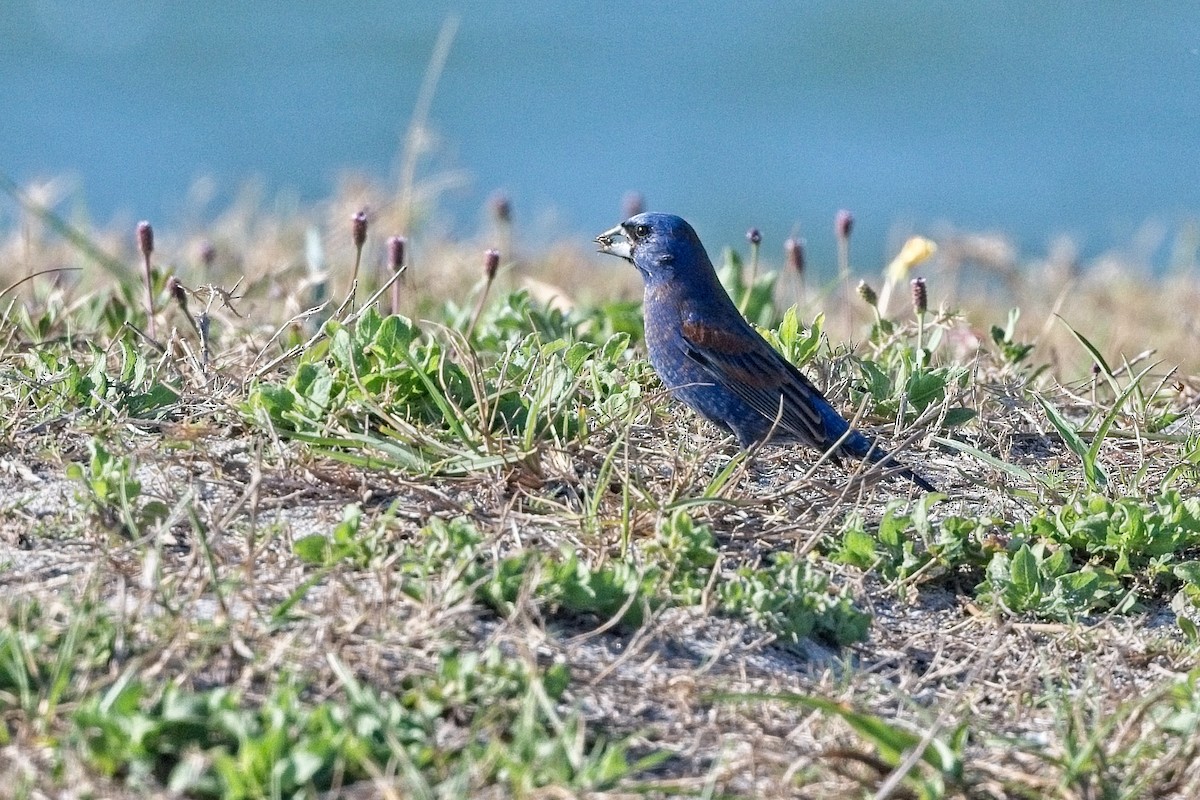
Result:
[[915, 250]]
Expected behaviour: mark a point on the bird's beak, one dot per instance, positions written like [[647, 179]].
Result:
[[609, 244]]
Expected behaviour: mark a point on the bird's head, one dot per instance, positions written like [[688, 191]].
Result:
[[657, 244]]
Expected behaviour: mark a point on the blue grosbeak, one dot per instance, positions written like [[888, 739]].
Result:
[[710, 358]]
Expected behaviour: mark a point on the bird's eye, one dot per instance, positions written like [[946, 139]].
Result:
[[641, 231]]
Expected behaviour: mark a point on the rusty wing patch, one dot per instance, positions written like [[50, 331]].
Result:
[[718, 339]]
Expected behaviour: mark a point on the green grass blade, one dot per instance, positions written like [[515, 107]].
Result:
[[1012, 470], [1093, 473], [76, 237], [891, 741], [1111, 416], [1095, 354]]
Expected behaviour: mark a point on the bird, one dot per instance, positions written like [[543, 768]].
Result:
[[710, 357]]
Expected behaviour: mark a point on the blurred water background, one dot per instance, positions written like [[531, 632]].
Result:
[[1036, 120]]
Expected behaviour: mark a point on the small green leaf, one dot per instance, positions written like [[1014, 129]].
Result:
[[1189, 628], [578, 354], [857, 548], [1025, 577], [958, 416], [925, 388], [313, 549], [1187, 571]]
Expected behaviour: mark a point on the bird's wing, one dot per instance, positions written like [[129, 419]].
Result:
[[742, 361]]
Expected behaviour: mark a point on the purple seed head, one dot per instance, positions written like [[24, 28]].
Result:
[[632, 204], [208, 254], [358, 228], [395, 250], [754, 236], [491, 263], [145, 238], [502, 208], [176, 290], [793, 249], [843, 223], [920, 296]]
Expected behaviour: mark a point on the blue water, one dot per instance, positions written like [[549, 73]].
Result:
[[1025, 117]]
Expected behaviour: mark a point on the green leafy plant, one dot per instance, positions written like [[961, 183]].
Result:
[[1139, 540], [900, 375], [1012, 353], [788, 596], [754, 295], [112, 493], [797, 344], [382, 393], [908, 546], [217, 743], [1095, 476], [47, 657], [1036, 579]]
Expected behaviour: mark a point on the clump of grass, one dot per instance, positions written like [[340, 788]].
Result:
[[483, 552], [219, 743]]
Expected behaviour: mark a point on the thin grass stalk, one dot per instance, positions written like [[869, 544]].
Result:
[[754, 236], [491, 263], [358, 235], [843, 224], [145, 240]]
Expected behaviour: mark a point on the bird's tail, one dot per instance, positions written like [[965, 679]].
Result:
[[860, 446]]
